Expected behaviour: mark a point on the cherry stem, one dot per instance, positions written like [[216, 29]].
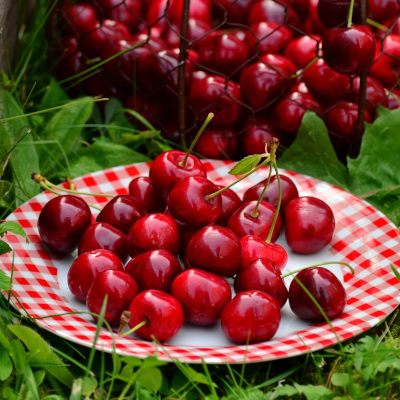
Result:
[[278, 206], [308, 66], [318, 265], [206, 122], [70, 183], [377, 25], [350, 20], [135, 328], [254, 214], [212, 195]]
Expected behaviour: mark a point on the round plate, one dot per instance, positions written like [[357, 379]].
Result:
[[364, 237]]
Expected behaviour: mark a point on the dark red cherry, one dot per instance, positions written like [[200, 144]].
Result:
[[271, 195], [153, 232], [234, 10], [140, 189], [349, 51], [334, 13], [243, 223], [198, 9], [230, 203], [166, 171], [309, 225], [104, 236], [86, 267], [251, 317], [326, 289], [264, 275], [155, 269], [121, 212], [302, 50], [120, 289], [202, 295], [381, 10], [188, 205], [215, 249], [162, 313], [78, 19], [63, 221]]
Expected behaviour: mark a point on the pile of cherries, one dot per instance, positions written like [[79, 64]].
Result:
[[258, 65], [185, 235]]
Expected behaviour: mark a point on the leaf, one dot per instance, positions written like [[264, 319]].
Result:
[[153, 361], [54, 96], [34, 342], [312, 392], [13, 227], [312, 153], [89, 385], [150, 378], [396, 273], [4, 247], [6, 194], [39, 377], [113, 107], [6, 365], [340, 379], [5, 280], [246, 165], [24, 158], [132, 361]]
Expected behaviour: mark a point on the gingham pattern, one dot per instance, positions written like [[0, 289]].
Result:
[[364, 237]]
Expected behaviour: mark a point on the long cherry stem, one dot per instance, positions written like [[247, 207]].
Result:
[[134, 329], [318, 265], [350, 20], [278, 206], [206, 122], [254, 213]]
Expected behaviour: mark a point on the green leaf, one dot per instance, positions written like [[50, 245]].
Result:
[[150, 378], [34, 342], [312, 392], [340, 379], [132, 361], [113, 108], [246, 165], [6, 365], [396, 273], [13, 227], [24, 158], [39, 377], [89, 385], [54, 96], [134, 137], [6, 194], [286, 390], [312, 153], [4, 247], [153, 361], [5, 281]]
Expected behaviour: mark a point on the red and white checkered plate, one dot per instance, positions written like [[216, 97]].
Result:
[[364, 237]]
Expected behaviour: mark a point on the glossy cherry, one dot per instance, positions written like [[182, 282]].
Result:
[[335, 13], [326, 289], [381, 10], [86, 267], [120, 289], [147, 197], [202, 295], [309, 225], [162, 313], [302, 50], [63, 221], [250, 317], [230, 203], [78, 19], [153, 232]]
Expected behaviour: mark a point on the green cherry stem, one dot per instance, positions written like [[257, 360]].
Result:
[[278, 206], [134, 329], [350, 20], [206, 122], [318, 265], [254, 213]]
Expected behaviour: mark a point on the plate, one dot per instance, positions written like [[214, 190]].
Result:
[[363, 237]]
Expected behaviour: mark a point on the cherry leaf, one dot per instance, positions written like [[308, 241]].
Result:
[[246, 165]]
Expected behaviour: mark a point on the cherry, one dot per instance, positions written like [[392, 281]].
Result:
[[198, 9], [349, 51], [392, 25], [230, 203], [63, 221], [187, 204], [146, 196], [231, 10], [69, 67], [104, 236], [243, 223], [86, 267], [255, 248], [202, 295], [153, 232], [309, 225], [120, 289], [154, 43], [264, 275], [281, 64], [380, 10], [166, 170], [334, 13], [302, 50], [215, 249], [251, 316], [121, 212], [313, 25], [325, 84], [78, 19], [155, 269], [326, 289], [161, 312], [271, 195], [218, 95]]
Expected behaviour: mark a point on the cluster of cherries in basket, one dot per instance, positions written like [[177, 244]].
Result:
[[185, 235], [258, 72]]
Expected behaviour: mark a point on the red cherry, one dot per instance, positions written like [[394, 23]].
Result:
[[255, 248], [120, 289], [162, 312], [203, 296], [313, 25], [250, 317], [326, 289], [302, 50], [78, 19], [263, 275], [166, 171], [334, 13], [153, 232], [86, 267], [215, 249], [63, 221], [155, 269], [380, 10], [349, 51], [234, 11], [271, 195], [309, 225], [230, 202], [104, 236], [140, 189], [187, 204], [198, 9], [243, 223]]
